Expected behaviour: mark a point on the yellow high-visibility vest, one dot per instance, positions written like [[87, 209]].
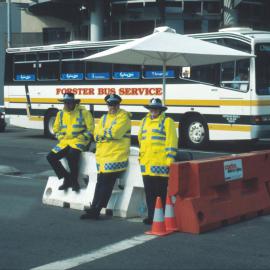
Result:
[[112, 136], [74, 128], [158, 145]]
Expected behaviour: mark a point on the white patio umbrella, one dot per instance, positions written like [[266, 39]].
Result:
[[166, 48]]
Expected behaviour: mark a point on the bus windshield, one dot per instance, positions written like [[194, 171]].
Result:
[[262, 52]]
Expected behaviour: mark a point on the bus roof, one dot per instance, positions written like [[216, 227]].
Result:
[[245, 34], [77, 44]]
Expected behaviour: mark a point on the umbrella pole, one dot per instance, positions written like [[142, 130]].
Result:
[[164, 83]]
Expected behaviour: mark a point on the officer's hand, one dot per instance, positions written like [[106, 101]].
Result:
[[169, 161], [59, 137]]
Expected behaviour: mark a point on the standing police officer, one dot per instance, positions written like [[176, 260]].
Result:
[[73, 128], [112, 136], [158, 147]]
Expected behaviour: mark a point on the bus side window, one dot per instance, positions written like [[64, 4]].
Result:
[[126, 72], [97, 71], [71, 66], [72, 70], [227, 74], [24, 67], [206, 73], [9, 68], [155, 72], [235, 75], [242, 71], [78, 54], [48, 66]]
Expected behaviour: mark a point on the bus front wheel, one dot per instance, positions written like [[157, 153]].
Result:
[[195, 132], [48, 123]]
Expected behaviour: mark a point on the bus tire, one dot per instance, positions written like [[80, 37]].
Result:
[[195, 132], [48, 123]]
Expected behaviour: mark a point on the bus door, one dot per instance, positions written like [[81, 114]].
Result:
[[261, 85]]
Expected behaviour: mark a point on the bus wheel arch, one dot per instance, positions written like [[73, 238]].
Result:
[[193, 131], [49, 119]]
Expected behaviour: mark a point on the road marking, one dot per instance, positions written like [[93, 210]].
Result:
[[15, 176], [97, 254]]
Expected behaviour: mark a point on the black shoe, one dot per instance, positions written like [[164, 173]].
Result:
[[76, 187], [63, 187], [91, 213], [148, 221]]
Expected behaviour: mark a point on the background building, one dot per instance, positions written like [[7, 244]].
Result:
[[39, 22]]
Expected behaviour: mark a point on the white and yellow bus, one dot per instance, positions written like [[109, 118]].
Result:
[[229, 101]]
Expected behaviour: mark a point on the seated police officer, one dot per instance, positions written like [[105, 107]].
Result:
[[73, 128], [112, 136]]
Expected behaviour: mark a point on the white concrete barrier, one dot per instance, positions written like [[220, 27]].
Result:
[[127, 200]]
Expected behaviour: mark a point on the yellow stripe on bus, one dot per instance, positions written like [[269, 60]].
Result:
[[225, 127], [36, 118], [170, 102]]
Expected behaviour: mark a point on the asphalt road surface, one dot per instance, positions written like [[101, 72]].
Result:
[[37, 236]]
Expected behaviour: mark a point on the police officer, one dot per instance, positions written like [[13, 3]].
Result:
[[158, 147], [112, 136], [73, 128]]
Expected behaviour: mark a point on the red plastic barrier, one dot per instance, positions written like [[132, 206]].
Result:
[[214, 192]]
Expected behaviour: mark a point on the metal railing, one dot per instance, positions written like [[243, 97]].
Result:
[[38, 39]]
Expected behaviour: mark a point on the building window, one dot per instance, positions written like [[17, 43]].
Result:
[[192, 7], [210, 7], [173, 7], [54, 35], [213, 25], [192, 26], [133, 29]]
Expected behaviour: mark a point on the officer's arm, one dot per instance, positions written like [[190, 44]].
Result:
[[119, 128], [56, 127], [99, 131], [171, 141], [140, 132], [89, 122]]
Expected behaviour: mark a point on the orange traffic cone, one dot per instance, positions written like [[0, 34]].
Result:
[[170, 221], [158, 226]]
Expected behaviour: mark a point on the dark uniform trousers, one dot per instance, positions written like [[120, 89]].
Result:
[[103, 190], [73, 157], [154, 186]]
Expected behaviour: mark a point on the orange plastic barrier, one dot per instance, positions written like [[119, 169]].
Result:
[[219, 191]]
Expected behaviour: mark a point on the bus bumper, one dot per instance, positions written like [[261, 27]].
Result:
[[260, 132]]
